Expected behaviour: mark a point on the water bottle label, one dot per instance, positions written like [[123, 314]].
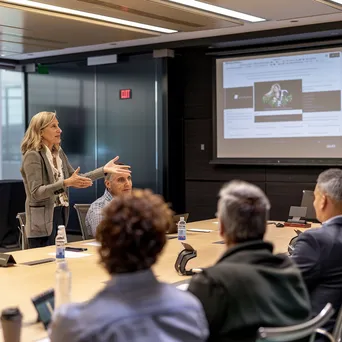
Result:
[[60, 253], [181, 232]]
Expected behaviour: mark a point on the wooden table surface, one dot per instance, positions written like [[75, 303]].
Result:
[[20, 283]]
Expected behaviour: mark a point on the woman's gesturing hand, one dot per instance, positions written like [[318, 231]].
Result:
[[77, 181], [111, 167]]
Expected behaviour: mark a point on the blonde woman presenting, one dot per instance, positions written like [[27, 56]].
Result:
[[47, 176]]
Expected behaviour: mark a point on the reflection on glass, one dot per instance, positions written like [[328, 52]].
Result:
[[69, 91], [12, 123], [127, 128]]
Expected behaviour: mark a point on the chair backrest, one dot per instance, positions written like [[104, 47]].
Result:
[[298, 331], [22, 222], [82, 210], [175, 220], [337, 332], [22, 218], [307, 201]]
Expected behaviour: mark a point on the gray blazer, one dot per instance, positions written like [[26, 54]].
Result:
[[41, 190]]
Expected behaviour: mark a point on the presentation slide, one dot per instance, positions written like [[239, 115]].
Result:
[[280, 106]]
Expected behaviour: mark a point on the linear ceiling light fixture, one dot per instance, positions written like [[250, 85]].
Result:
[[218, 10], [332, 3], [87, 15]]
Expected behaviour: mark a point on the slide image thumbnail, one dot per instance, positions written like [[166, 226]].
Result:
[[278, 95]]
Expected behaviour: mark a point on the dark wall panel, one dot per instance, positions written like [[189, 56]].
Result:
[[173, 135], [293, 174], [201, 198], [197, 85], [283, 195], [197, 161]]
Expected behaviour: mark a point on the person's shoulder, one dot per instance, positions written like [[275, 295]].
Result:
[[67, 323], [224, 268], [329, 234], [318, 238], [183, 298], [32, 153], [221, 275], [98, 204], [61, 152], [185, 304], [313, 234], [31, 156]]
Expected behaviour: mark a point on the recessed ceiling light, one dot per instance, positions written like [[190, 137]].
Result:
[[332, 3], [2, 55], [218, 10], [69, 11], [336, 1]]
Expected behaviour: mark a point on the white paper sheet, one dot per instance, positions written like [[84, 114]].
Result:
[[216, 222], [183, 287], [93, 243], [200, 230], [73, 255], [46, 339]]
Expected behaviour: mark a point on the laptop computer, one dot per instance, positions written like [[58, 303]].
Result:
[[44, 304], [173, 229]]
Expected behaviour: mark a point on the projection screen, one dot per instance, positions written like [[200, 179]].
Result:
[[283, 108]]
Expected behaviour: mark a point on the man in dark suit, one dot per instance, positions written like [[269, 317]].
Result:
[[318, 251], [249, 286]]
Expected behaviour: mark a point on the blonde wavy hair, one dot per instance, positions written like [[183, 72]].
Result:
[[272, 92], [32, 139]]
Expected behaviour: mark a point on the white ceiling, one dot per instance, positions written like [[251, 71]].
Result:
[[31, 34]]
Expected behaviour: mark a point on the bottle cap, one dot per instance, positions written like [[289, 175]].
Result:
[[61, 227], [182, 218]]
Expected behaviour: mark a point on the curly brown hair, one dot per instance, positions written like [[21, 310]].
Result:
[[133, 231]]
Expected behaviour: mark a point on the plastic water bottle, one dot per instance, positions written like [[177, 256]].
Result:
[[63, 284], [181, 229], [60, 245], [64, 232]]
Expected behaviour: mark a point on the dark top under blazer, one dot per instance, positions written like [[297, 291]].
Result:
[[318, 254], [41, 189]]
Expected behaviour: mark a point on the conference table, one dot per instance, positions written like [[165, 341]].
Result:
[[20, 283]]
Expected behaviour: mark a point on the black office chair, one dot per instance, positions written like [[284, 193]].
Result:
[[296, 332], [82, 210], [337, 332]]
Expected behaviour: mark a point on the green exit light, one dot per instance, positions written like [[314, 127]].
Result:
[[42, 69]]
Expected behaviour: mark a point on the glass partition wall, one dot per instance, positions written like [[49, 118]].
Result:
[[12, 123], [97, 125]]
